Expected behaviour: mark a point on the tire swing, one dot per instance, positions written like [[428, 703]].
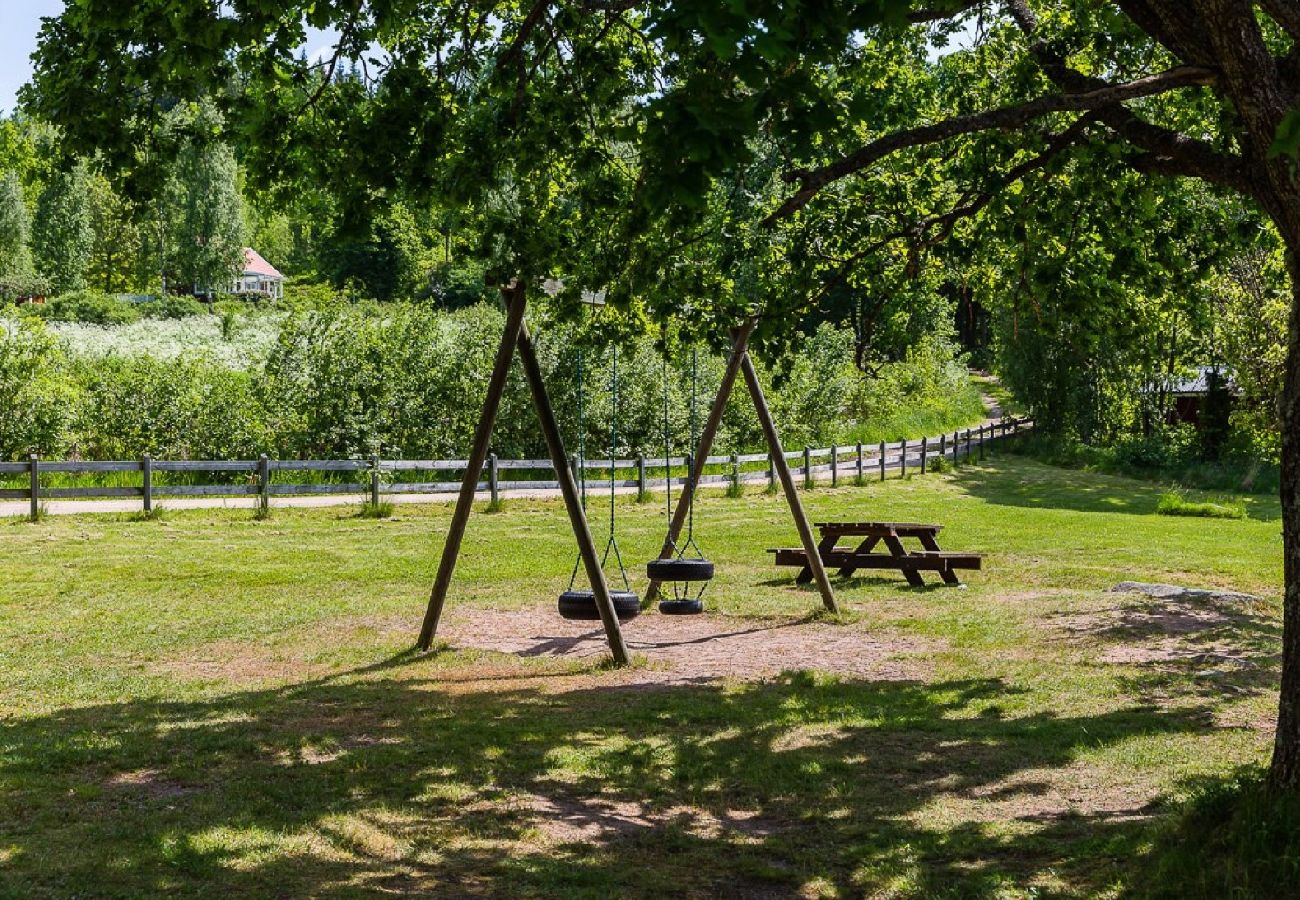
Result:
[[686, 569], [578, 604]]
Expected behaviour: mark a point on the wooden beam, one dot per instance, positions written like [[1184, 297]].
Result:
[[572, 502], [517, 302], [787, 483], [740, 345]]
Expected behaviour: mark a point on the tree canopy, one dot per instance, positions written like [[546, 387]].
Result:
[[765, 155]]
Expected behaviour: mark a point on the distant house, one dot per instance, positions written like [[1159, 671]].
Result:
[[259, 277], [1191, 394]]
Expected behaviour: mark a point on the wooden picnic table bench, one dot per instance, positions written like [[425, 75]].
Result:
[[930, 559]]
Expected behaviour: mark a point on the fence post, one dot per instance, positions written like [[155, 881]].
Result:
[[264, 483], [882, 460], [493, 479], [640, 477], [374, 481], [835, 466], [982, 427], [943, 447], [146, 469], [689, 483], [861, 462], [902, 458], [735, 473], [925, 453], [968, 443], [807, 467], [34, 466], [771, 473]]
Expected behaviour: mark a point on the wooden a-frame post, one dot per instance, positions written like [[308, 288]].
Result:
[[515, 337], [739, 361]]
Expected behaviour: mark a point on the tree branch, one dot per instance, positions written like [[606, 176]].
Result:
[[812, 181]]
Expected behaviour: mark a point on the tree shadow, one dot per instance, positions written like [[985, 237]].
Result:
[[391, 778], [1025, 483]]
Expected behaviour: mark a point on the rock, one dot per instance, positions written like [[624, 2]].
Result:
[[1174, 592]]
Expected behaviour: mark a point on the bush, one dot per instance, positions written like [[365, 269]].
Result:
[[172, 307], [94, 307], [36, 393]]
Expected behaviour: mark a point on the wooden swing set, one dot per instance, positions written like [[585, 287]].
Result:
[[516, 337]]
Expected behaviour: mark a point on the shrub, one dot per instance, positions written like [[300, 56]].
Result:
[[36, 393], [172, 307], [94, 307]]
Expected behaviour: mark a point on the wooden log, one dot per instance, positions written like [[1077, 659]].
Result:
[[474, 465], [577, 517], [740, 341], [787, 482]]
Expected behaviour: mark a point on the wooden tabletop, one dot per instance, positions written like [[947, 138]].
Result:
[[868, 529]]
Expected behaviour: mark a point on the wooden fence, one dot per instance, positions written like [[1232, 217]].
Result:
[[857, 461]]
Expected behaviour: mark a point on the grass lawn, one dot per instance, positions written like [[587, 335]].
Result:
[[212, 705]]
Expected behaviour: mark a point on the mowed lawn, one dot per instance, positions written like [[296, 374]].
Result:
[[212, 705]]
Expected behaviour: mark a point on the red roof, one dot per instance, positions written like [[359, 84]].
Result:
[[254, 264]]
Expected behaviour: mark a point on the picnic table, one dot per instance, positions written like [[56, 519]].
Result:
[[865, 556]]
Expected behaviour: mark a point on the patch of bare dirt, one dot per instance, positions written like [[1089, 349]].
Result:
[[148, 783], [1173, 618], [697, 648], [240, 661]]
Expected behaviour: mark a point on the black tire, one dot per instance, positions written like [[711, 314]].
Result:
[[581, 605], [670, 570], [681, 607]]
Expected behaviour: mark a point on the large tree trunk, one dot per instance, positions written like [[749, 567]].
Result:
[[1285, 770]]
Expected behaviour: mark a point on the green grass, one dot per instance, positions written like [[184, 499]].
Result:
[[1233, 838], [1174, 503], [369, 509], [928, 416], [211, 705]]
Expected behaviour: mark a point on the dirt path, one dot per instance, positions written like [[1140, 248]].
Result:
[[687, 649]]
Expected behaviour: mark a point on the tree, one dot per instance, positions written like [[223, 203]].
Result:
[[205, 233], [15, 226], [114, 254], [64, 235], [580, 139]]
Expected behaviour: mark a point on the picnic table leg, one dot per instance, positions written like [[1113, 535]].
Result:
[[823, 547], [947, 574], [865, 547], [896, 550]]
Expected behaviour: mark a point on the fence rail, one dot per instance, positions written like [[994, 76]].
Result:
[[858, 461]]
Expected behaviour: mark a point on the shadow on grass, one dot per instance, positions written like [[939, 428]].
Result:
[[392, 779], [1021, 481]]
